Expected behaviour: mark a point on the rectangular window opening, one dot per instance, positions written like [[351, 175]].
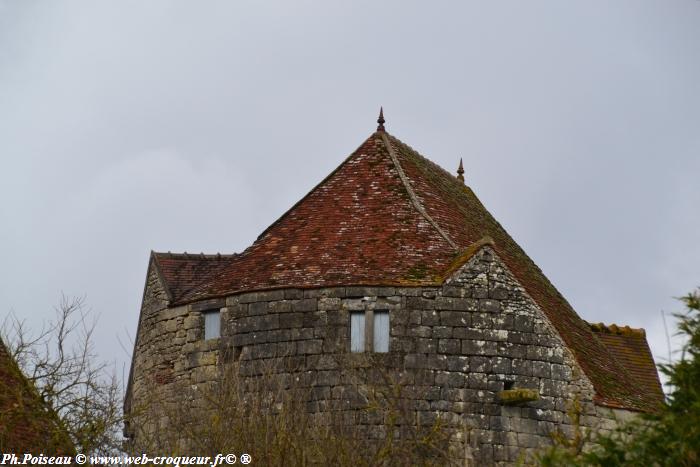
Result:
[[381, 331], [357, 331], [212, 324]]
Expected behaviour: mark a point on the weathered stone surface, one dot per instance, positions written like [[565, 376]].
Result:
[[453, 348]]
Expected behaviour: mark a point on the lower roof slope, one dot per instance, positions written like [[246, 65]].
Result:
[[182, 272], [629, 347], [27, 425], [389, 216]]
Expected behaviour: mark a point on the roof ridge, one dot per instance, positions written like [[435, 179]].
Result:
[[186, 255], [618, 330], [412, 195]]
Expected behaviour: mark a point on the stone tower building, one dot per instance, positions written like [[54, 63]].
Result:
[[390, 255]]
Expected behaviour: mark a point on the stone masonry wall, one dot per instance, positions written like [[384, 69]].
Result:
[[455, 347]]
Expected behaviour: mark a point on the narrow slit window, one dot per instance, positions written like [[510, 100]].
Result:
[[357, 331], [381, 331], [212, 324]]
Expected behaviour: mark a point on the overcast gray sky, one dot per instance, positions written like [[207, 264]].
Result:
[[131, 126]]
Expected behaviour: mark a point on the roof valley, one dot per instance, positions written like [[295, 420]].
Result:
[[411, 194]]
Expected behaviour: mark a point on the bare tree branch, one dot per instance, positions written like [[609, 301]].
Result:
[[61, 362]]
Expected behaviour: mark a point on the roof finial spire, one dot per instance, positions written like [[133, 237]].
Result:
[[381, 120], [460, 171]]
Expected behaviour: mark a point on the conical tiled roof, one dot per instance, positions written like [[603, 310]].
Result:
[[389, 216]]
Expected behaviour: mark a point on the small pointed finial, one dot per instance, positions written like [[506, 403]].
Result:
[[381, 120], [460, 171]]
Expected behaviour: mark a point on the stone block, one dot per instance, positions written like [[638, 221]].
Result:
[[271, 295], [489, 305], [170, 325], [480, 364], [456, 379], [435, 362], [293, 294], [301, 334], [449, 346], [498, 292], [314, 346], [387, 292], [482, 320], [525, 338], [550, 387], [496, 335], [193, 335], [192, 322], [338, 318], [499, 423], [455, 318], [537, 352], [419, 303], [388, 303], [321, 362], [529, 440], [415, 361], [524, 425], [458, 363], [478, 381], [442, 332], [354, 304], [456, 304], [325, 292], [524, 323], [291, 320], [453, 291], [420, 331], [441, 380], [473, 347], [286, 348], [279, 335], [430, 318], [248, 297], [281, 306], [541, 369], [329, 303], [426, 345], [522, 367], [561, 372], [504, 321], [500, 453], [467, 333], [258, 308], [361, 291], [501, 365], [172, 313], [306, 304]]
